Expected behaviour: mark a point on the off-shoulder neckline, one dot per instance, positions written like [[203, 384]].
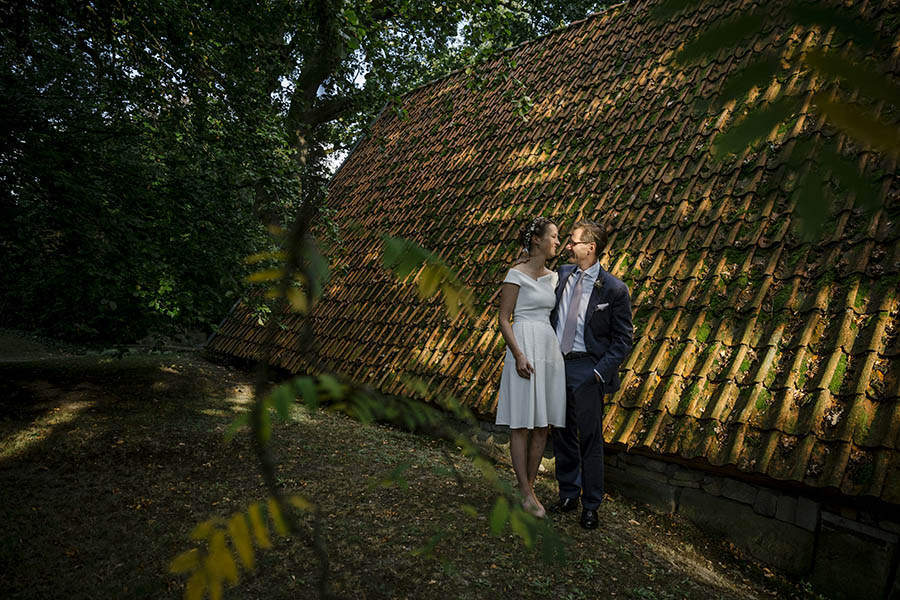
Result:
[[524, 274]]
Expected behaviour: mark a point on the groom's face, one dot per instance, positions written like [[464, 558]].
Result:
[[579, 250]]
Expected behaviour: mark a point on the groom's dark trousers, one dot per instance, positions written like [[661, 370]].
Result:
[[578, 446]]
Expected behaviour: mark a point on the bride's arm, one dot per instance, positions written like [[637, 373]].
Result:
[[509, 293]]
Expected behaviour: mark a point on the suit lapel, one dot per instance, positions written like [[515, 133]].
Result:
[[597, 294]]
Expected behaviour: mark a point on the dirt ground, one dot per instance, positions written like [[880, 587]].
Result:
[[108, 461]]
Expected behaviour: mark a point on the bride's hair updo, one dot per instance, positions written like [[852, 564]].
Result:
[[531, 229]]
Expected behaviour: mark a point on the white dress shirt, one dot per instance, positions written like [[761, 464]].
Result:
[[587, 287]]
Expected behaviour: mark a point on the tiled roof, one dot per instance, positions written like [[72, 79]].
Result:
[[752, 349]]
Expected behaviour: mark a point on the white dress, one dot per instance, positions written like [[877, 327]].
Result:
[[540, 400]]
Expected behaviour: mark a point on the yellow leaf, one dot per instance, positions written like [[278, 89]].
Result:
[[221, 559], [429, 279], [265, 275], [298, 300], [275, 230], [273, 292], [240, 536], [196, 586], [260, 531], [277, 518], [451, 299], [203, 530], [301, 503], [261, 256], [186, 561], [215, 588]]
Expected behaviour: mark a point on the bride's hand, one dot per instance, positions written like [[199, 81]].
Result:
[[523, 367]]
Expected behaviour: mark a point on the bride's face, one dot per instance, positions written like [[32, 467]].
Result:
[[548, 243]]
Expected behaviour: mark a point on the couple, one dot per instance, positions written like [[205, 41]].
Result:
[[571, 330]]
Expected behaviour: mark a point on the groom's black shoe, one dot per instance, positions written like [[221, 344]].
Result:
[[589, 518], [564, 505]]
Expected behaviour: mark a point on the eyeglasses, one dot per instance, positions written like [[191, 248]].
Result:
[[574, 243]]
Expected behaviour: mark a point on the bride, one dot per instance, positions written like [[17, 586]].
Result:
[[532, 392]]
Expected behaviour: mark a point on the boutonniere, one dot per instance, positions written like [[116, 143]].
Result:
[[598, 285]]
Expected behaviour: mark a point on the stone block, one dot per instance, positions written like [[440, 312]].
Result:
[[766, 503], [658, 495], [738, 490], [685, 483], [786, 509], [654, 475], [782, 545], [712, 485], [650, 464], [807, 515], [684, 474], [853, 559], [890, 526]]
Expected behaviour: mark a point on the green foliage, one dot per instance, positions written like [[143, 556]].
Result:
[[849, 85]]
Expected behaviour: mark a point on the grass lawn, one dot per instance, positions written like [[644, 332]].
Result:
[[107, 464]]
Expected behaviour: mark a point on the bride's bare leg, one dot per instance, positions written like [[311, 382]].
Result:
[[535, 455], [518, 449]]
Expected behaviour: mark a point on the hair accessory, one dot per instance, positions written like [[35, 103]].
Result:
[[530, 234]]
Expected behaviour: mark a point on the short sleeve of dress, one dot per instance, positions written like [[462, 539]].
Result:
[[512, 276], [554, 279]]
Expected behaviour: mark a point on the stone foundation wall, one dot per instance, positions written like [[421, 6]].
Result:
[[846, 551]]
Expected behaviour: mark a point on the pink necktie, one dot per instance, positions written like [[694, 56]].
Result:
[[568, 336]]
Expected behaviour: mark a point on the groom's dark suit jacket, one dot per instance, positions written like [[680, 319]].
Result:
[[608, 331]]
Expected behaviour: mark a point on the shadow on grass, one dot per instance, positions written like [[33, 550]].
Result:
[[106, 466]]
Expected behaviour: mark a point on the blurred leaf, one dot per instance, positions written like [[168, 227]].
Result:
[[401, 256], [854, 120], [298, 300], [758, 124], [499, 514], [469, 510], [428, 549], [203, 530], [307, 388], [265, 275], [260, 531], [723, 35], [277, 518], [184, 562], [759, 74], [552, 548], [261, 256], [221, 559], [523, 525], [451, 299], [265, 425], [240, 536], [239, 421], [282, 397], [301, 503], [812, 207], [846, 20], [332, 386], [196, 585], [846, 171], [429, 279], [859, 75]]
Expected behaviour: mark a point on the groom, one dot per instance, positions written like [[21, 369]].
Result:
[[592, 318]]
